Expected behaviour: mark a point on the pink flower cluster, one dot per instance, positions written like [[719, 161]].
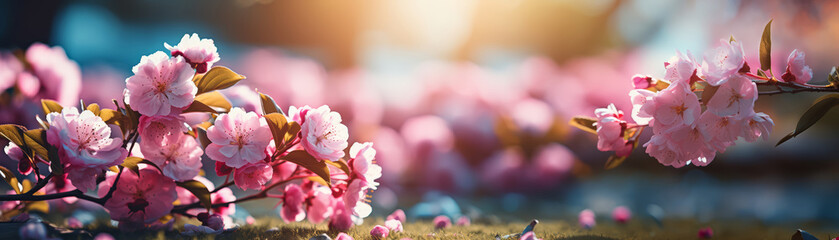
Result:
[[685, 129]]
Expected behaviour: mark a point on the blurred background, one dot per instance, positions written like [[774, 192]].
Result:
[[468, 101]]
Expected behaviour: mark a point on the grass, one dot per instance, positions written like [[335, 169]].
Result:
[[635, 229]]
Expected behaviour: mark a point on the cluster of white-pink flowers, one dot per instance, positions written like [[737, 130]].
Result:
[[162, 114], [687, 130]]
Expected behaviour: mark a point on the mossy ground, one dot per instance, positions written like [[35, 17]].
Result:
[[635, 229]]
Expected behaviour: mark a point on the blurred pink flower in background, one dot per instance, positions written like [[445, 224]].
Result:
[[290, 81], [60, 77]]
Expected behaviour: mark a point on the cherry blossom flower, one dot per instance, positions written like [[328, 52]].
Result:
[[676, 105], [84, 145], [663, 151], [15, 153], [10, 67], [363, 165], [198, 52], [757, 125], [298, 115], [161, 85], [379, 232], [320, 204], [723, 61], [59, 76], [179, 156], [355, 200], [621, 214], [238, 138], [324, 136], [643, 106], [642, 81], [722, 130], [292, 210], [139, 199], [253, 175], [797, 71], [341, 219], [587, 219], [398, 214], [737, 95], [610, 128], [153, 129], [442, 222], [529, 236], [680, 69], [394, 225], [464, 221], [343, 236]]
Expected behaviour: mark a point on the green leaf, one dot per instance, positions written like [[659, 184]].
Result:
[[131, 163], [217, 78], [584, 123], [50, 106], [10, 179], [197, 106], [13, 133], [268, 105], [766, 48], [214, 99], [305, 160], [199, 190], [812, 115]]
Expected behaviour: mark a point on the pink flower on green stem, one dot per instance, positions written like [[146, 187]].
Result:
[[253, 175], [179, 156], [84, 145], [797, 71], [200, 53], [161, 85], [324, 136], [722, 62], [141, 199], [680, 69], [238, 138], [675, 106]]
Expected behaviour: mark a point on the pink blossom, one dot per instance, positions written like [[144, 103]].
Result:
[[680, 69], [324, 136], [253, 175], [28, 84], [529, 236], [532, 116], [394, 225], [214, 221], [238, 138], [691, 142], [643, 106], [343, 236], [442, 222], [15, 153], [610, 131], [161, 85], [464, 221], [139, 199], [642, 81], [10, 67], [398, 214], [757, 125], [674, 106], [84, 144], [722, 62], [363, 165], [320, 204], [705, 232], [662, 150], [292, 210], [60, 77], [298, 115], [737, 95], [722, 130], [797, 71], [153, 129], [200, 53], [341, 220], [179, 156], [354, 198], [379, 232], [587, 219], [621, 214]]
